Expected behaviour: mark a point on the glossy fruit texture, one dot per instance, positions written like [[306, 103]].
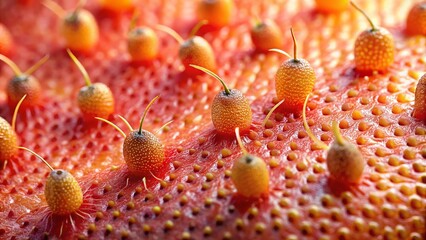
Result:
[[416, 19], [24, 85], [266, 35], [8, 141], [116, 6], [6, 40], [196, 197], [328, 6], [250, 176], [80, 31], [196, 50], [142, 44], [218, 13], [374, 50], [419, 111]]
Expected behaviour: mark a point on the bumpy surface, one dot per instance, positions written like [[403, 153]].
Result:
[[295, 79], [374, 50], [143, 152], [8, 140], [197, 199], [63, 193], [95, 100], [230, 111]]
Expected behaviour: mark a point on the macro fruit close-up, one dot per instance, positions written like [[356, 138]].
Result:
[[269, 181]]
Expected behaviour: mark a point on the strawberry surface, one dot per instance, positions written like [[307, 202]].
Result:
[[192, 196]]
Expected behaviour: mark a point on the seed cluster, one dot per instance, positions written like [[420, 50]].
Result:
[[193, 195]]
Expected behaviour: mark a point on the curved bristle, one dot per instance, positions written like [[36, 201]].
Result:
[[205, 70], [280, 51], [126, 122], [55, 8], [80, 67], [240, 143], [134, 19], [11, 64], [112, 124], [308, 130], [146, 112], [15, 113], [295, 43], [144, 183], [365, 14], [197, 27], [337, 135], [271, 111], [37, 65], [171, 32], [38, 156], [165, 125]]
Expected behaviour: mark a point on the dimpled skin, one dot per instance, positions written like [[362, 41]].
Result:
[[332, 6], [217, 12], [266, 35], [197, 51], [294, 80], [143, 152], [95, 101], [142, 44], [416, 19], [345, 162], [231, 111], [374, 50], [8, 141], [63, 193], [80, 32], [250, 176], [24, 85], [420, 99], [5, 40]]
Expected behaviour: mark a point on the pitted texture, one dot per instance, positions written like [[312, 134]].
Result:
[[197, 51], [294, 80], [230, 111], [143, 152], [345, 162], [80, 30], [250, 176], [416, 19], [22, 85], [374, 50], [8, 141], [420, 99], [95, 100], [63, 193]]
